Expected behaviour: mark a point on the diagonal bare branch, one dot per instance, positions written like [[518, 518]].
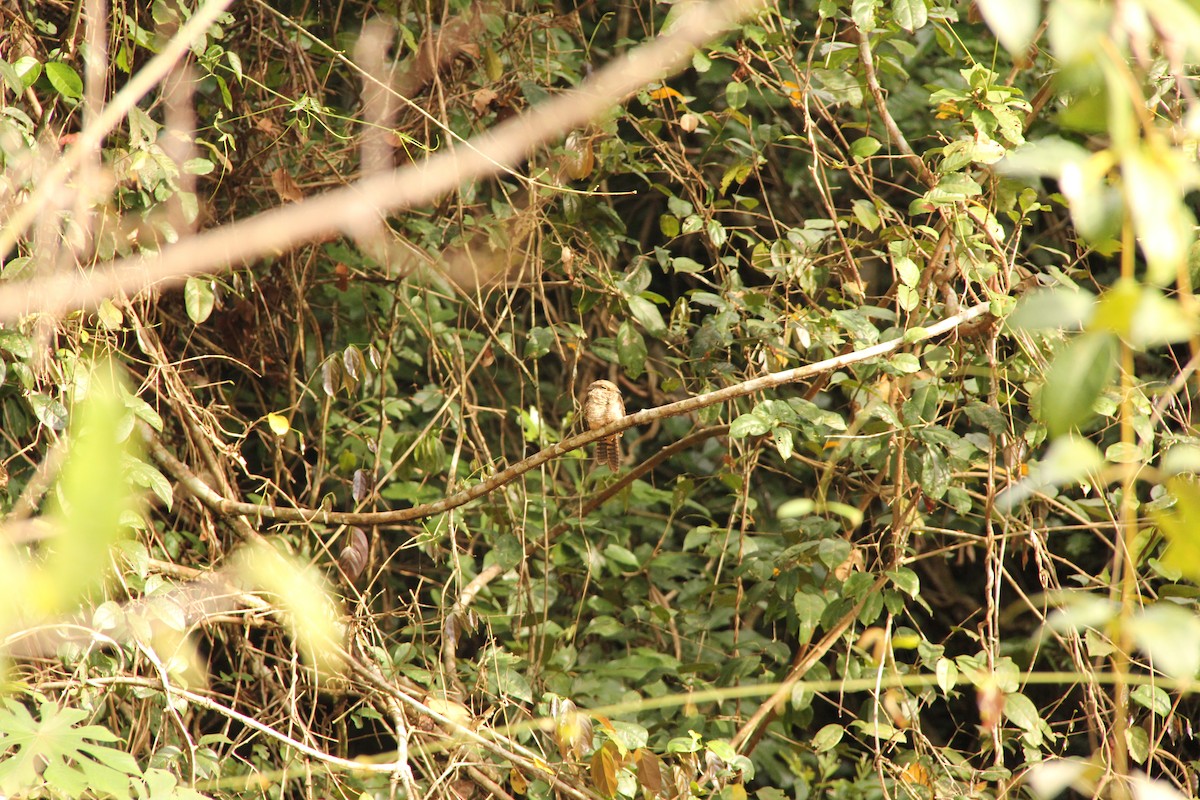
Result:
[[355, 207]]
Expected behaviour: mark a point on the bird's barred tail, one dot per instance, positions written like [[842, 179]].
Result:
[[607, 453]]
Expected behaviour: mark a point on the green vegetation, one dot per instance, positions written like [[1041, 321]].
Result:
[[292, 502]]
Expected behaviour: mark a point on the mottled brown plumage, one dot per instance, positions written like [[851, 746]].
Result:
[[602, 406]]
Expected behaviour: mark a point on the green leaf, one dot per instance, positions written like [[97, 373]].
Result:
[[749, 425], [64, 80], [56, 752], [809, 608], [28, 69], [48, 411], [148, 477], [953, 188], [865, 147], [1138, 742], [631, 350], [198, 166], [782, 438], [907, 270], [736, 94], [10, 77], [16, 343], [539, 343], [623, 558], [110, 316], [796, 507], [1181, 458], [910, 15], [1154, 698], [143, 411], [198, 298], [906, 580], [827, 738], [863, 14], [16, 268], [647, 315], [686, 265], [1080, 372], [947, 675], [1143, 315], [1123, 453], [1181, 527], [1020, 711], [864, 212]]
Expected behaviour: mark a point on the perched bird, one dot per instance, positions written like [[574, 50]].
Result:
[[602, 406]]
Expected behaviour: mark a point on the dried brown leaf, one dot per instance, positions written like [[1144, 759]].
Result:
[[285, 186], [353, 558]]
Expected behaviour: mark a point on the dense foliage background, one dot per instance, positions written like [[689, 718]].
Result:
[[960, 565]]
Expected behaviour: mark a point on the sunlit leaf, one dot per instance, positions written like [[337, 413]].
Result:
[[1060, 308], [604, 771], [278, 423], [1080, 372], [1013, 21], [64, 79], [198, 298], [911, 15], [48, 411], [1169, 636]]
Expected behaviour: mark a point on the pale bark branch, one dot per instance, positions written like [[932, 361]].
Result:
[[356, 208]]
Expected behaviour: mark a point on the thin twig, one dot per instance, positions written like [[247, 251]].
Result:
[[889, 122], [748, 735]]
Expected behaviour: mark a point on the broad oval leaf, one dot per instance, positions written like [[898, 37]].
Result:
[[279, 424], [910, 15], [1059, 308], [828, 738], [736, 94], [198, 298], [64, 79], [604, 771], [647, 315], [49, 411], [1080, 372], [353, 558], [356, 365]]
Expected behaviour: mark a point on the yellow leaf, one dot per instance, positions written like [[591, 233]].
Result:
[[916, 774], [279, 424], [517, 782]]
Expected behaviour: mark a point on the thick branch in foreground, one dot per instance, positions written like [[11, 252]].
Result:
[[357, 206], [215, 502]]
